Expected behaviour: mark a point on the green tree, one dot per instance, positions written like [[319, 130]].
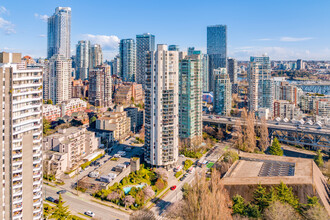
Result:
[[318, 159], [93, 119], [239, 205], [261, 197], [312, 201], [49, 101], [275, 149], [285, 195], [46, 125], [61, 212], [253, 211]]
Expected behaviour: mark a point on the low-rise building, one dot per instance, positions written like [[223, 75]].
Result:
[[51, 112], [285, 109], [126, 93], [137, 118], [55, 163], [73, 105], [117, 122], [323, 108], [77, 142]]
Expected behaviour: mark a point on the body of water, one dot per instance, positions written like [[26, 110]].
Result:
[[128, 188]]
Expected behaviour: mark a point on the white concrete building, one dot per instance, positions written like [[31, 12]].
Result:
[[162, 107], [51, 112], [21, 131], [59, 79]]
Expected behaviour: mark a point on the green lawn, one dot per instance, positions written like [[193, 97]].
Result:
[[209, 165]]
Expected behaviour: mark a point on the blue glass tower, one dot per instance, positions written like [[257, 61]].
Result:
[[216, 49]]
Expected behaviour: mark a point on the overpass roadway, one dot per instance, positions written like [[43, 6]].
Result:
[[286, 132]]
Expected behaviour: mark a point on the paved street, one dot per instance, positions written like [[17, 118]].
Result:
[[78, 204], [176, 194]]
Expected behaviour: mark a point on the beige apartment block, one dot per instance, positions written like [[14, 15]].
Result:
[[117, 122], [76, 142]]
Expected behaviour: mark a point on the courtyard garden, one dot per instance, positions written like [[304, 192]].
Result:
[[136, 189]]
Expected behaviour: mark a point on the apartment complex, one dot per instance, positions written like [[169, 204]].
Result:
[[100, 92], [261, 86], [137, 118], [162, 107], [59, 79], [51, 112], [128, 93], [117, 122], [82, 59], [72, 105], [286, 91], [144, 43], [21, 129], [204, 68], [222, 92], [190, 99], [127, 52], [75, 142], [59, 33], [96, 56], [285, 109]]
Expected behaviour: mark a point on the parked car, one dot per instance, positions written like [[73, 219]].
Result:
[[182, 178], [173, 187], [50, 199], [89, 213], [61, 191]]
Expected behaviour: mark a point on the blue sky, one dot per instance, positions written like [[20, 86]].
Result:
[[284, 29]]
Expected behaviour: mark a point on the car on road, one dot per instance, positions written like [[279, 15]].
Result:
[[50, 199], [61, 191], [89, 213], [183, 178], [173, 187]]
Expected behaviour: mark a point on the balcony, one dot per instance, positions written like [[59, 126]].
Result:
[[17, 176]]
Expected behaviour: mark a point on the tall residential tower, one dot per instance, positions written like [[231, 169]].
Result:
[[96, 56], [222, 92], [21, 145], [190, 99], [144, 43], [59, 82], [59, 32], [82, 59], [100, 91], [162, 107], [127, 58]]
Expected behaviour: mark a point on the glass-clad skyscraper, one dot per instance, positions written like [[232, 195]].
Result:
[[59, 32], [82, 59], [144, 43], [216, 49], [127, 59], [190, 99]]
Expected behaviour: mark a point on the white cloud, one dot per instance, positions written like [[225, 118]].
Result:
[[107, 42], [42, 35], [279, 53], [41, 17], [295, 39], [3, 10], [7, 26], [264, 39]]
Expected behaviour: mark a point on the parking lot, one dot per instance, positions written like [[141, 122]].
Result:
[[107, 165]]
